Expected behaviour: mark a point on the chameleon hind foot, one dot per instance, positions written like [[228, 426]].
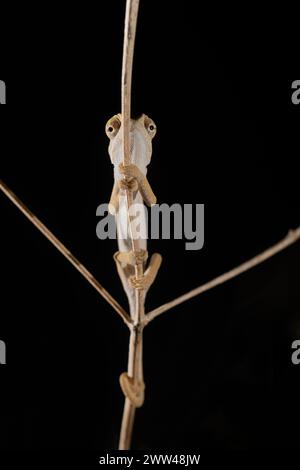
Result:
[[132, 389], [131, 258], [146, 280]]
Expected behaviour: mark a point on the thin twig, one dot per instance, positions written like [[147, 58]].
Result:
[[132, 7], [292, 237], [131, 14], [64, 251], [135, 352]]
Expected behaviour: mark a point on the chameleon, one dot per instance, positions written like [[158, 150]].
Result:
[[132, 177]]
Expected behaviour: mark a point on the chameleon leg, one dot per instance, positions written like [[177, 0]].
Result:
[[125, 262], [132, 382]]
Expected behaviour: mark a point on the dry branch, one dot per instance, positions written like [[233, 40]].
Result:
[[64, 251], [135, 342], [292, 237]]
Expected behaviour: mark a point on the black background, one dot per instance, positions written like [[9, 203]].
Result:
[[218, 369]]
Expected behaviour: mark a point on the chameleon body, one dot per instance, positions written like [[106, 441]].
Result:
[[132, 178]]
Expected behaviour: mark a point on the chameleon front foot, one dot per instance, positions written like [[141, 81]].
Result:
[[129, 185]]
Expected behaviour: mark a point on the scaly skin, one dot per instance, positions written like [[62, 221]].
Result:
[[142, 133], [132, 178]]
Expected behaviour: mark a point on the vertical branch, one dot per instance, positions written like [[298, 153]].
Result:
[[132, 7], [127, 425], [135, 369], [135, 346], [131, 15]]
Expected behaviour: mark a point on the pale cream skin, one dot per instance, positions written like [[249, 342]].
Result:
[[142, 131]]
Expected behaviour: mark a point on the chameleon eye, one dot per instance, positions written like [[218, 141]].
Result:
[[152, 129], [112, 126], [149, 124]]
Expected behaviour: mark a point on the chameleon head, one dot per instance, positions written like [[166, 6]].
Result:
[[142, 131]]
